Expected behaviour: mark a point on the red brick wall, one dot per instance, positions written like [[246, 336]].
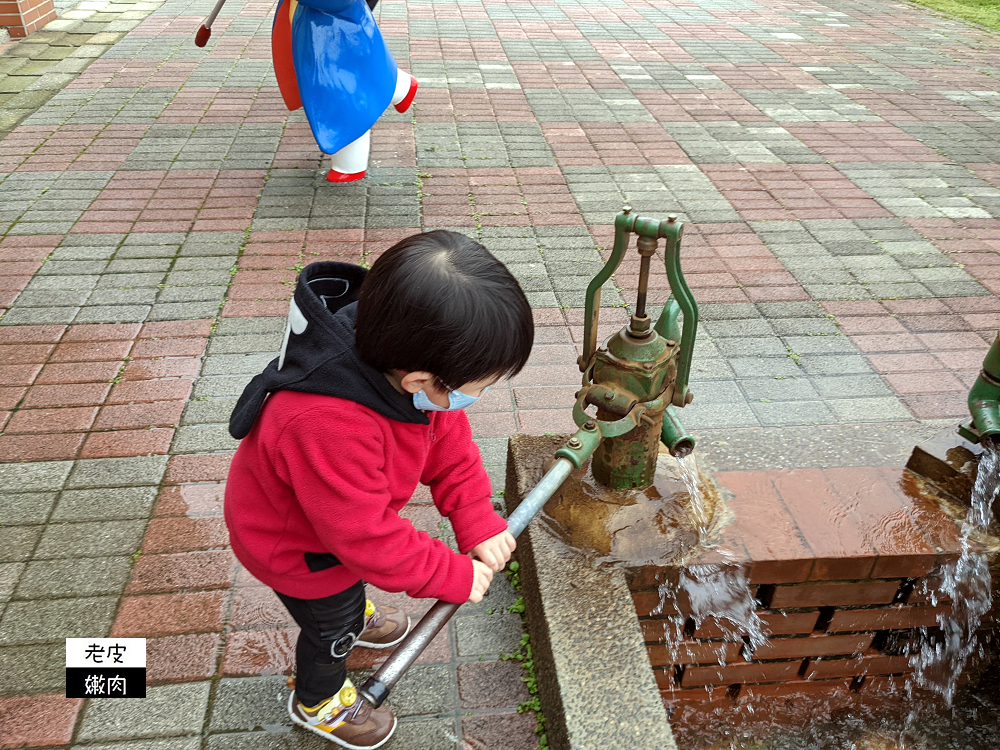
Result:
[[22, 17], [825, 637]]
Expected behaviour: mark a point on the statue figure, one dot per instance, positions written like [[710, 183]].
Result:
[[331, 60]]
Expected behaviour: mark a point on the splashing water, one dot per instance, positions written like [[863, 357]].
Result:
[[692, 483], [966, 582], [723, 592]]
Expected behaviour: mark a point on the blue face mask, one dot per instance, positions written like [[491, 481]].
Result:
[[456, 400]]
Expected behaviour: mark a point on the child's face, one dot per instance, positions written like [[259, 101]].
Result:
[[439, 396]]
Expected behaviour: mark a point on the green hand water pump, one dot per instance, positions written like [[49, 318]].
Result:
[[637, 378]]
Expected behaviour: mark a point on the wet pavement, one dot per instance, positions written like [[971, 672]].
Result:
[[836, 164]]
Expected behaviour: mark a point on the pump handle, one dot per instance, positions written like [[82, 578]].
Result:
[[670, 230]]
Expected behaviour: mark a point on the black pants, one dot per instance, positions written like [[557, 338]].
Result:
[[330, 626]]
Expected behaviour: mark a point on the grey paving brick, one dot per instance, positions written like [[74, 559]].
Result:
[[183, 310], [821, 344], [721, 392], [18, 542], [779, 389], [90, 539], [850, 386], [248, 704], [870, 410], [739, 311], [68, 578], [242, 326], [750, 347], [167, 710], [698, 416], [220, 386], [117, 472], [926, 189], [296, 739], [32, 477], [426, 689], [268, 343], [112, 314], [961, 142], [38, 621], [805, 326], [23, 316], [203, 439], [738, 143], [30, 670], [104, 504], [754, 367], [25, 508], [780, 413], [808, 105], [705, 368], [9, 575], [777, 311], [175, 743], [834, 364], [488, 635], [208, 412]]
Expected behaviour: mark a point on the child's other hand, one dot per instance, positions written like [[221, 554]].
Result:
[[496, 550], [482, 575]]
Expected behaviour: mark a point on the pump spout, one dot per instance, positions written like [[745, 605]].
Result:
[[984, 398], [674, 436]]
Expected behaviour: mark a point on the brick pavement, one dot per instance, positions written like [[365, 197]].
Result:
[[837, 164]]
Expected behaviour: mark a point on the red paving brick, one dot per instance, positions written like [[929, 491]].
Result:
[[182, 571], [170, 614], [792, 191], [37, 720], [192, 500], [182, 658]]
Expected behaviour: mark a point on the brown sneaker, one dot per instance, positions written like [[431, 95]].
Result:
[[384, 626], [345, 719]]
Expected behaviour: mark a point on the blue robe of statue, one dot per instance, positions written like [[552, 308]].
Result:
[[330, 57]]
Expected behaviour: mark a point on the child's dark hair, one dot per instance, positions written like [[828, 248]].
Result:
[[439, 302]]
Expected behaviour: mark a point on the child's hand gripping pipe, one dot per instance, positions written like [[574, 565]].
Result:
[[376, 688]]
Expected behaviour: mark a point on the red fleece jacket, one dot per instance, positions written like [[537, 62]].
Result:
[[323, 474]]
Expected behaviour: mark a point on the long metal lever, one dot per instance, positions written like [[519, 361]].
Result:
[[376, 688]]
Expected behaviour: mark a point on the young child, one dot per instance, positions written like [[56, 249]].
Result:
[[366, 402]]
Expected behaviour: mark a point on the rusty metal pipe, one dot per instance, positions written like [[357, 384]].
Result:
[[376, 688], [640, 300]]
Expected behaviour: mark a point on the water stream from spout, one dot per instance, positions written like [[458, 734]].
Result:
[[692, 482], [966, 582]]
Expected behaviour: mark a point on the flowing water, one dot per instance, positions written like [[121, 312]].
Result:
[[938, 713], [677, 519], [966, 583]]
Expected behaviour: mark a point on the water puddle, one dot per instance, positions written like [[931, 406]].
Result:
[[664, 524]]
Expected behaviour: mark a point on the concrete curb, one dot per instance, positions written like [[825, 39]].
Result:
[[584, 634]]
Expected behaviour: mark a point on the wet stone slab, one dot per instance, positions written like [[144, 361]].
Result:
[[583, 627]]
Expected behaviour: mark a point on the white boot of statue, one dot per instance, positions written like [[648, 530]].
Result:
[[351, 162]]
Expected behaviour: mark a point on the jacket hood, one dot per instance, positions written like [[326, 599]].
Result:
[[318, 354]]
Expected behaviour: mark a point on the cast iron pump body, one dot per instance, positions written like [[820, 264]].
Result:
[[641, 373]]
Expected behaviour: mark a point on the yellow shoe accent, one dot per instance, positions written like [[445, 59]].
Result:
[[348, 696], [369, 608]]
